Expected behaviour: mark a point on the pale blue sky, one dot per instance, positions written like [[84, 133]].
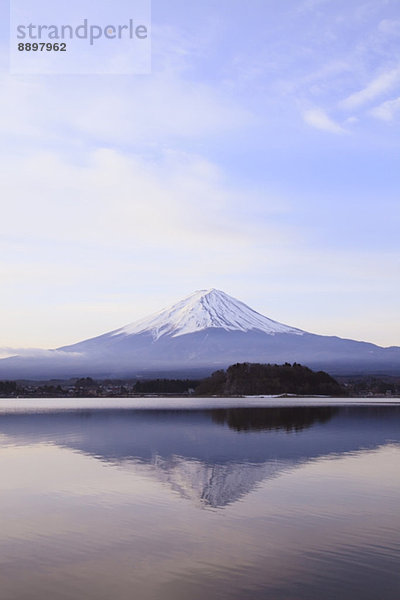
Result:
[[261, 157]]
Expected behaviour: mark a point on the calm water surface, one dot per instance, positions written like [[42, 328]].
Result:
[[119, 501]]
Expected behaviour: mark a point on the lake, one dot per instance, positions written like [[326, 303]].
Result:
[[190, 499]]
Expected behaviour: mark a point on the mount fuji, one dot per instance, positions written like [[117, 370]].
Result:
[[206, 331]]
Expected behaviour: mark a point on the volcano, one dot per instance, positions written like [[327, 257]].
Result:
[[206, 331]]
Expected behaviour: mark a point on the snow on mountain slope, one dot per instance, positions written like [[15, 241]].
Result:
[[204, 309], [208, 330]]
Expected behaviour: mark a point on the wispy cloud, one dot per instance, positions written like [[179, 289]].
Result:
[[7, 352], [390, 26], [36, 352], [158, 110], [124, 200], [375, 88], [317, 118], [387, 110], [311, 5]]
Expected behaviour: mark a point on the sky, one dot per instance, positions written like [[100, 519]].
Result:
[[260, 156]]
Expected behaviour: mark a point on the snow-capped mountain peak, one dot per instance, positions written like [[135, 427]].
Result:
[[204, 309], [206, 331]]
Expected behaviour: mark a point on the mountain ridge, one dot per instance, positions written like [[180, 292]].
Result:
[[201, 310], [207, 330]]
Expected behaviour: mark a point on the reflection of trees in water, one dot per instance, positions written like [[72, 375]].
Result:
[[266, 419]]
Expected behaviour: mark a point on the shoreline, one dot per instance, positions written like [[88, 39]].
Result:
[[164, 403]]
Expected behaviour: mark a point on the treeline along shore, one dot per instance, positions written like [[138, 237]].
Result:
[[244, 379]]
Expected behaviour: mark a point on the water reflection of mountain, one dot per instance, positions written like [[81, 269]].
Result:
[[293, 418], [213, 457]]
